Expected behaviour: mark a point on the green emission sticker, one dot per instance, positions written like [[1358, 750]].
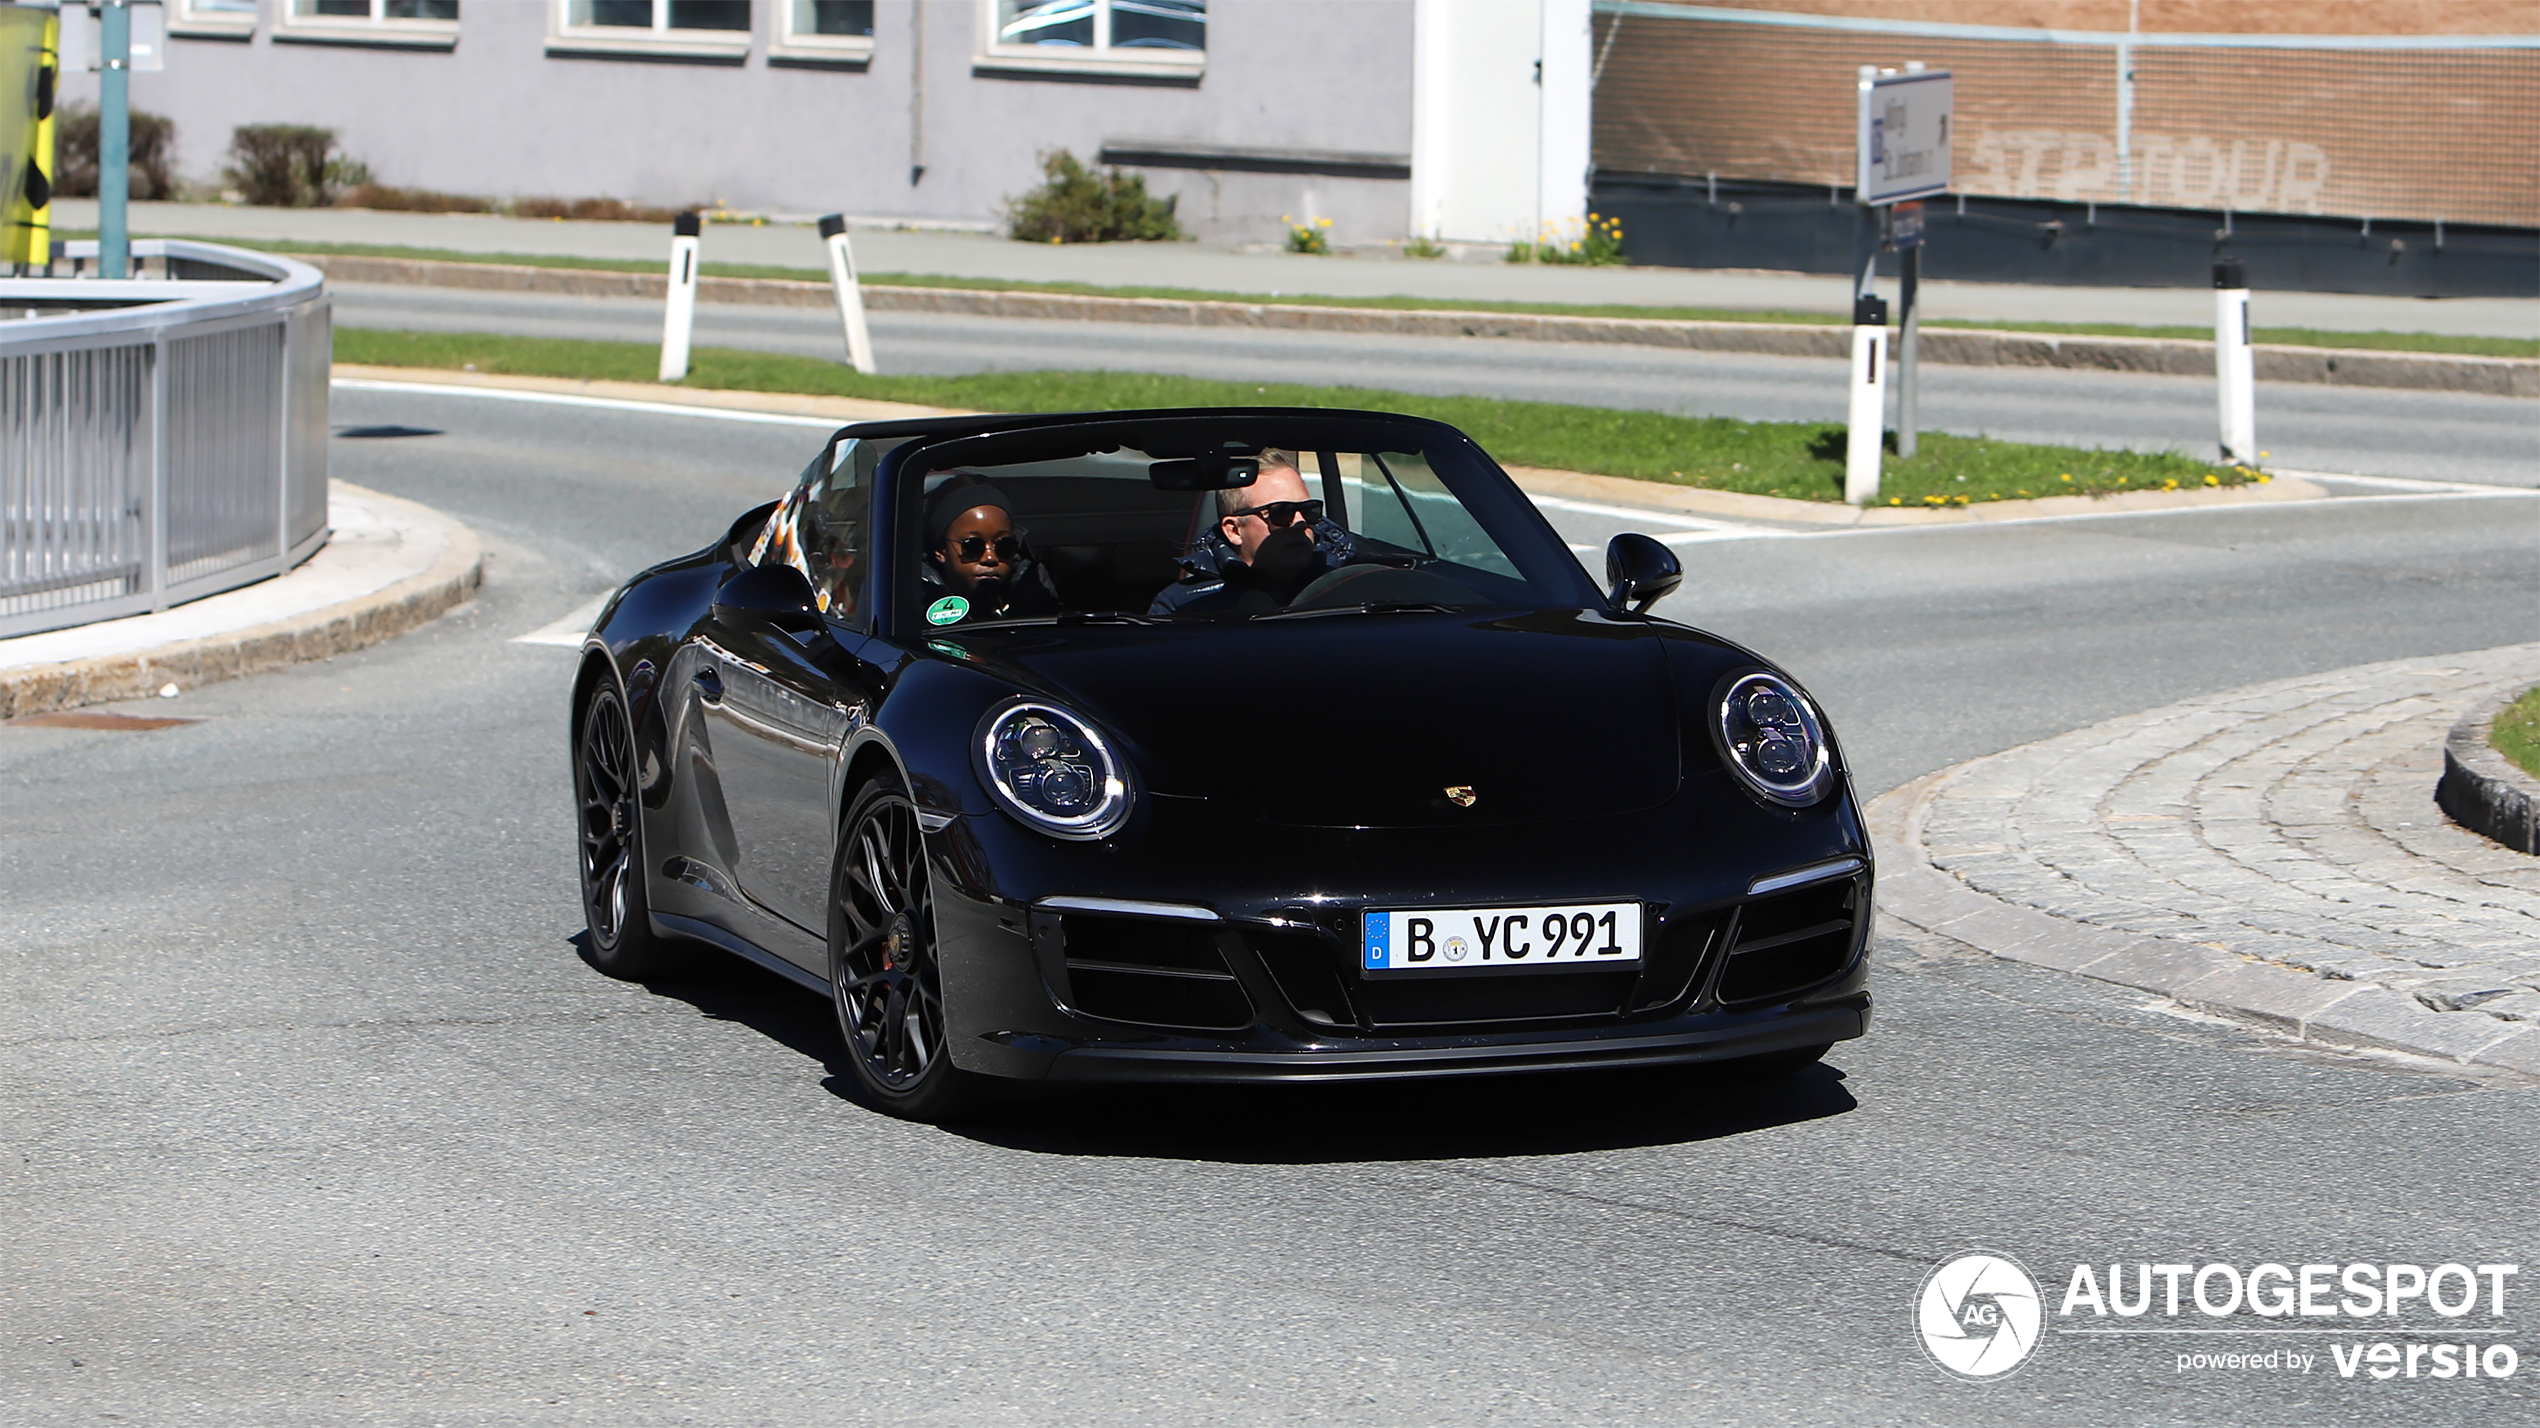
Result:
[[947, 611]]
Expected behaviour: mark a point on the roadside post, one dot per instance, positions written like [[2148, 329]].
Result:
[[680, 317], [842, 277], [114, 139], [1905, 235], [2235, 365], [1901, 146], [1862, 440]]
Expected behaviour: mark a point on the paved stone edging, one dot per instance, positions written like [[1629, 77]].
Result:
[[334, 629], [2483, 790], [2272, 854], [2351, 367]]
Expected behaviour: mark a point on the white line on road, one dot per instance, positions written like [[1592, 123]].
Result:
[[562, 399], [567, 630]]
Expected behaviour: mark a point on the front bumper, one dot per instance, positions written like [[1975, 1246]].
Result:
[[1690, 1040]]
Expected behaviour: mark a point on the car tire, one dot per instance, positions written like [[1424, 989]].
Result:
[[1775, 1065], [619, 940], [885, 984]]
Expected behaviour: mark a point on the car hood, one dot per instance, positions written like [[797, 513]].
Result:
[[1374, 720]]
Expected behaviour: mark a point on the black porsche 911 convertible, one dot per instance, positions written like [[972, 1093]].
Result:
[[1214, 744]]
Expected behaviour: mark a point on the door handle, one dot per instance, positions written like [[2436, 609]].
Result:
[[709, 683]]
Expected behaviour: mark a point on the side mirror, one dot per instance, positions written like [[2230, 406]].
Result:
[[1641, 571], [774, 593]]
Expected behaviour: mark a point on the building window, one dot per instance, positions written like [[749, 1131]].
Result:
[[227, 19], [836, 31], [429, 24], [699, 29], [1114, 36]]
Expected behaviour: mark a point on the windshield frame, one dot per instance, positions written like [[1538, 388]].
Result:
[[1504, 512]]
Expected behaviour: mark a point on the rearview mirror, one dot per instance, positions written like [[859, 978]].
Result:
[[774, 593], [1641, 571], [1204, 473]]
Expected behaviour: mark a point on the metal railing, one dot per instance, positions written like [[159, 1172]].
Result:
[[161, 438]]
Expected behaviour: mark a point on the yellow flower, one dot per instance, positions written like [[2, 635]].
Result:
[[2169, 483], [2212, 480], [2264, 479], [1896, 500], [2068, 475]]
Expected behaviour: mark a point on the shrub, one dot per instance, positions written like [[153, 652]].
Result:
[[412, 200], [75, 140], [283, 165], [595, 210], [1077, 205]]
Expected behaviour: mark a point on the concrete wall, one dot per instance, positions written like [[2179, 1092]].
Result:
[[497, 115]]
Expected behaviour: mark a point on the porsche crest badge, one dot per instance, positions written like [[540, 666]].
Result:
[[1461, 795]]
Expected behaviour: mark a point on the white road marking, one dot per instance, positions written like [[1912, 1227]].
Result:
[[566, 631], [562, 399], [1636, 513]]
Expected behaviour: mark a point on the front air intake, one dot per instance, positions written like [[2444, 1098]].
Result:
[[1151, 973], [1790, 942]]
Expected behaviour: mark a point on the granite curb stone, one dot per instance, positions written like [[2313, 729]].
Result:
[[1971, 347], [339, 628], [2482, 789]]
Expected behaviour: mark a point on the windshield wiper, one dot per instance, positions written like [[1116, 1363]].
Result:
[[1371, 607], [1103, 617]]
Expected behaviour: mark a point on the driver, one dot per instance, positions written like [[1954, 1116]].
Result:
[[977, 566], [1275, 543]]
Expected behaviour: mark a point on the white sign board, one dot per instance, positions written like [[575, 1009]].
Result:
[[81, 47], [1904, 135]]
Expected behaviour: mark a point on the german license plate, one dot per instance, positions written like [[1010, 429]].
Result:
[[1601, 934]]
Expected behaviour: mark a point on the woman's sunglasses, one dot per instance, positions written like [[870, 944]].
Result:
[[973, 546], [1279, 513]]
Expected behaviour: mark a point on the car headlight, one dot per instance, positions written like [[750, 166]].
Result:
[[1050, 769], [1772, 738]]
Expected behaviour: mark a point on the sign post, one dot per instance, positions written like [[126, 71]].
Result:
[[114, 139], [1902, 157]]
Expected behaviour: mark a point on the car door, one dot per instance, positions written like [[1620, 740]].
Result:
[[778, 708], [780, 704]]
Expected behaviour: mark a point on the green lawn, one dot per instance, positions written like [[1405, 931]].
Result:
[[2516, 732], [2288, 336], [1797, 459]]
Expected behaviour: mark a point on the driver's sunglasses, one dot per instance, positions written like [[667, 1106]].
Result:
[[972, 546], [1279, 513]]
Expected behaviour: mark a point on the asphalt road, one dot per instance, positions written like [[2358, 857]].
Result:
[[317, 1117], [2348, 429]]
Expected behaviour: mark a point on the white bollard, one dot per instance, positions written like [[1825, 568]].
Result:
[[833, 233], [1864, 443], [2235, 364], [679, 319]]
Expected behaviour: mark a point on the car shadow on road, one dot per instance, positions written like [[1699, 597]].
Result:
[[1558, 1114], [1519, 1115]]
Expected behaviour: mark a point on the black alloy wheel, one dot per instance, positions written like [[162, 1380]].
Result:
[[884, 979], [610, 849]]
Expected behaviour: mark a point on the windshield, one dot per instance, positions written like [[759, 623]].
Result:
[[1263, 522]]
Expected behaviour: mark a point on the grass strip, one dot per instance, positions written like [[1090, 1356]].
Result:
[[2516, 732], [1803, 460], [2281, 336]]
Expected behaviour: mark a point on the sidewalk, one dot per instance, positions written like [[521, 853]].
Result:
[[388, 566], [2272, 854], [1196, 266]]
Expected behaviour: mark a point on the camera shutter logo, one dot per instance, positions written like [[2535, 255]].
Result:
[[1979, 1315]]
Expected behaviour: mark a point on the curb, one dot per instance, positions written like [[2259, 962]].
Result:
[[1577, 485], [1956, 346], [2347, 1016], [334, 629], [2482, 790]]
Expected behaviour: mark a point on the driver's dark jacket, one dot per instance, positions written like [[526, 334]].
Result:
[[1203, 585]]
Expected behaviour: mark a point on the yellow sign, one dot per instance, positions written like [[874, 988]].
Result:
[[28, 68]]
